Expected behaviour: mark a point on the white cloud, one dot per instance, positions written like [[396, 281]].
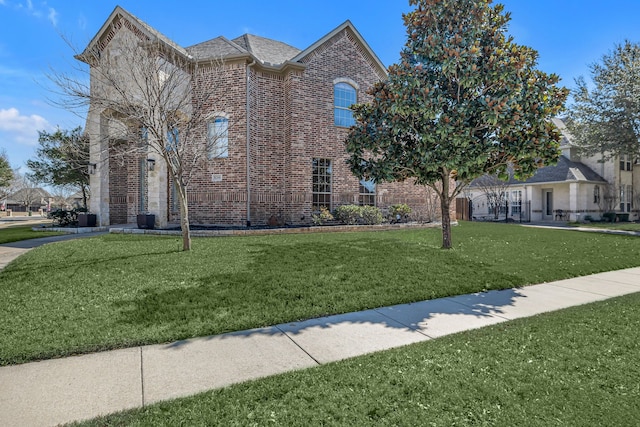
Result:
[[53, 16], [24, 129]]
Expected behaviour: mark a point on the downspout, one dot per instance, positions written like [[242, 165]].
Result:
[[248, 110]]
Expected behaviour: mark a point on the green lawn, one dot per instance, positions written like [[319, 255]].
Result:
[[117, 291], [14, 233], [575, 367]]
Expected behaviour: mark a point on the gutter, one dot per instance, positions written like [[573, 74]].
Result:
[[248, 148]]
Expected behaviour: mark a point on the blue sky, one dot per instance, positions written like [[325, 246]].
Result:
[[568, 34]]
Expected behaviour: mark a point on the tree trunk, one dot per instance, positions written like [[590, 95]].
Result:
[[84, 196], [184, 217], [445, 204]]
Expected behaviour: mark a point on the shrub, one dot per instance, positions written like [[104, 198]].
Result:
[[354, 214], [371, 215], [322, 216], [64, 217], [399, 211], [348, 214]]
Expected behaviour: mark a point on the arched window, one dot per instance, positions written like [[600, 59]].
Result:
[[218, 137], [344, 95]]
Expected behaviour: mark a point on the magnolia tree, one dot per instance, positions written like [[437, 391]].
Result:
[[604, 118], [464, 100], [154, 95]]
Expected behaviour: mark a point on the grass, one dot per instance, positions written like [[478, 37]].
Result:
[[15, 233], [118, 291], [574, 367]]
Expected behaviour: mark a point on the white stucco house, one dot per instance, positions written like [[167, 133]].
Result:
[[575, 189]]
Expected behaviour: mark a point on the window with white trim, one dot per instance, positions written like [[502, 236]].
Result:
[[516, 202], [596, 194], [218, 138], [344, 96], [367, 193]]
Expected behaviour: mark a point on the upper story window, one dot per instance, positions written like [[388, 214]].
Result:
[[344, 96], [218, 137], [625, 162]]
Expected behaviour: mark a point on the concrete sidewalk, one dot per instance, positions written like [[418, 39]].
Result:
[[11, 251], [63, 390]]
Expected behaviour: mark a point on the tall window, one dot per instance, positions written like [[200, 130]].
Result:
[[596, 194], [321, 184], [367, 193], [622, 198], [218, 138], [629, 198], [516, 202], [172, 139], [344, 95]]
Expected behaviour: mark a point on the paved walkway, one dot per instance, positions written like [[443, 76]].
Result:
[[58, 391]]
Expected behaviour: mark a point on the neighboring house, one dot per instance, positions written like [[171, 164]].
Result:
[[574, 188], [286, 116], [30, 199]]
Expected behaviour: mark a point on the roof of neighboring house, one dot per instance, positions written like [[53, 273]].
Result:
[[565, 170], [19, 196]]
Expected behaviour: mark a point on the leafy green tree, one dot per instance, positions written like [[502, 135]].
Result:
[[61, 160], [464, 100], [605, 119], [6, 174]]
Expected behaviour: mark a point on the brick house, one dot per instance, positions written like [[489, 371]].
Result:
[[285, 116]]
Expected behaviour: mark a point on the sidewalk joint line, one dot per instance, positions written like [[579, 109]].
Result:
[[298, 345], [406, 326], [141, 377]]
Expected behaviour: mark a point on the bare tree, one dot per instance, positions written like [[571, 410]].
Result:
[[495, 190], [609, 198], [26, 192], [156, 97]]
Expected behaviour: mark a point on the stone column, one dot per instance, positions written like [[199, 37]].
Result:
[[157, 190], [97, 127], [574, 197]]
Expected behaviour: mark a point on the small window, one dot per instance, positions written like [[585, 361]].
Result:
[[344, 96], [321, 176], [218, 138], [367, 193]]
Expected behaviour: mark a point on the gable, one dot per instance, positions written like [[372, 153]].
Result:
[[344, 30], [118, 19]]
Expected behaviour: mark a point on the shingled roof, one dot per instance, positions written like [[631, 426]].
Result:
[[266, 50], [565, 170]]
